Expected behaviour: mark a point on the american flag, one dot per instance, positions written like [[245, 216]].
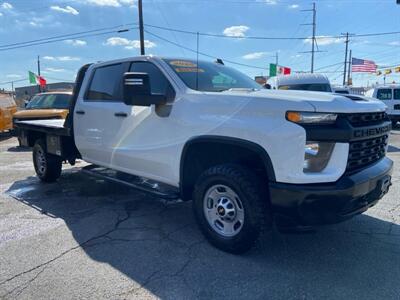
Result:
[[362, 65]]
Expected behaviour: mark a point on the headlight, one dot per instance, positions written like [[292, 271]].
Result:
[[311, 117], [316, 156]]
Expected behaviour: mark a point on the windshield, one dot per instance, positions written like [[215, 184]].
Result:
[[317, 87], [60, 101], [210, 77]]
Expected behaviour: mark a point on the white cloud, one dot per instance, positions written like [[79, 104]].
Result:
[[128, 44], [394, 43], [324, 40], [61, 58], [128, 2], [76, 43], [1, 14], [236, 31], [13, 76], [254, 55], [54, 70], [67, 9], [269, 2], [34, 24], [296, 56], [6, 5], [293, 6]]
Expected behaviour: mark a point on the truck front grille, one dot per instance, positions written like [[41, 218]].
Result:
[[366, 119], [366, 152]]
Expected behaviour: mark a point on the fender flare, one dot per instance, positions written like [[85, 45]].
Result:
[[260, 151]]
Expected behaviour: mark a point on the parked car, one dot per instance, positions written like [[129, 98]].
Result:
[[205, 132], [7, 109], [50, 105], [304, 82], [390, 95]]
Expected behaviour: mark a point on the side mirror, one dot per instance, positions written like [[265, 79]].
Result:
[[137, 90]]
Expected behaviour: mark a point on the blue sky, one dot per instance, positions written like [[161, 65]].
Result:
[[25, 20]]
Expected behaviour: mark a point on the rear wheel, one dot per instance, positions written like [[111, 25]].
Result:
[[47, 166], [231, 207]]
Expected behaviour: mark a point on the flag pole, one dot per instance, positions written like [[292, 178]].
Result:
[[38, 69]]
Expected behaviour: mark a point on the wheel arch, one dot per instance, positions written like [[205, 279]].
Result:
[[202, 152]]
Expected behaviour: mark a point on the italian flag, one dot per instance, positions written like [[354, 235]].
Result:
[[275, 70], [36, 79]]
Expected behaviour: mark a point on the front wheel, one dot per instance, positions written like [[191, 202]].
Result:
[[394, 123], [231, 207], [47, 166]]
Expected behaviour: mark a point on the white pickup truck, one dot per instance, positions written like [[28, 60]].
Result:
[[202, 131]]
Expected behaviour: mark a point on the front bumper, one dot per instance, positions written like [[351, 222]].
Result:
[[317, 204]]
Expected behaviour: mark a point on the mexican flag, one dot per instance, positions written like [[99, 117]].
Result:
[[36, 79], [275, 70]]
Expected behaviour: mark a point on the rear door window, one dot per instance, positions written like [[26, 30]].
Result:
[[384, 94], [396, 94], [105, 84]]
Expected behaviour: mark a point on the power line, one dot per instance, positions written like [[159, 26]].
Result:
[[202, 53], [70, 35], [268, 38], [64, 39]]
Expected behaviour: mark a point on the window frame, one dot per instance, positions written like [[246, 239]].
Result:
[[117, 89], [388, 89], [394, 93]]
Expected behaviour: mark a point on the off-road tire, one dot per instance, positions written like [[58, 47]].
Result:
[[253, 196]]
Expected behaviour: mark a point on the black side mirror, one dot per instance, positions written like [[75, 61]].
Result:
[[137, 90], [267, 86]]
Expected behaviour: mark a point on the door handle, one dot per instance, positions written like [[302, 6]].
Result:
[[80, 112], [121, 114]]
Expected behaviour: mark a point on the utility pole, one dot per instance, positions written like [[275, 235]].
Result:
[[38, 70], [141, 29], [345, 58], [349, 70], [314, 30], [314, 24], [276, 58]]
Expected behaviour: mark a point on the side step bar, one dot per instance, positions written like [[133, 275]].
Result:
[[158, 189]]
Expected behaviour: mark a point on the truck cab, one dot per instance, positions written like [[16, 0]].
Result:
[[247, 157], [390, 95], [302, 82]]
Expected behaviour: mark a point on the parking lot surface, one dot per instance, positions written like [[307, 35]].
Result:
[[84, 238]]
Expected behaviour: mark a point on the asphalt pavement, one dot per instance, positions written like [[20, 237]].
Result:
[[82, 238]]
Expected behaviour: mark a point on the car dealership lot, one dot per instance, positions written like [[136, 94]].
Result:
[[85, 238]]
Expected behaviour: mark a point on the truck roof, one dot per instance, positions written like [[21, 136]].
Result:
[[387, 86], [306, 78]]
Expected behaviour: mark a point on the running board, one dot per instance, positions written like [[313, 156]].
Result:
[[158, 189]]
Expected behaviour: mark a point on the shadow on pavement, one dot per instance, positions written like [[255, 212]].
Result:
[[157, 245], [19, 149], [5, 136]]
